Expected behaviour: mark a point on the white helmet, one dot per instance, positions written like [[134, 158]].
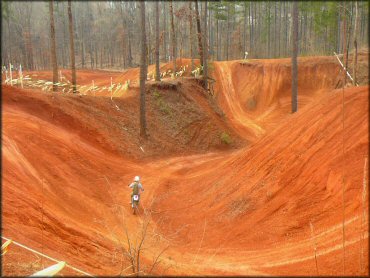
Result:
[[137, 178]]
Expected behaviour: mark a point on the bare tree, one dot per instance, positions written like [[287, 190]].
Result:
[[355, 45], [199, 33], [129, 34], [133, 247], [53, 54], [344, 39], [143, 72], [228, 31], [173, 37], [157, 72], [124, 33], [294, 58], [205, 48], [71, 47], [164, 3], [191, 35], [28, 39], [230, 27]]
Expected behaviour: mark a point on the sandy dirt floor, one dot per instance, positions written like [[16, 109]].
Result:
[[272, 201]]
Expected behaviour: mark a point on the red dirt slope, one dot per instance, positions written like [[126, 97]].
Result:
[[255, 95], [66, 168], [257, 205], [180, 120]]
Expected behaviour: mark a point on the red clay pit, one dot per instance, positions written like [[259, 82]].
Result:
[[215, 209]]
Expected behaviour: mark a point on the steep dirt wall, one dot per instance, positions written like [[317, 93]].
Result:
[[256, 95]]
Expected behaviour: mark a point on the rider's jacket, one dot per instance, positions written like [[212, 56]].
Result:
[[139, 187]]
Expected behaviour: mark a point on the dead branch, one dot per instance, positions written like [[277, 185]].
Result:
[[156, 259]]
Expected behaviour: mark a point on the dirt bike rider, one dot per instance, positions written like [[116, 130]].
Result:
[[136, 187]]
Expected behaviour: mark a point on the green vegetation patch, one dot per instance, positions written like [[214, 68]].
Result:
[[225, 138], [161, 104]]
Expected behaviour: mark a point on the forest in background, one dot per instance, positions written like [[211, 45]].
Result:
[[107, 34]]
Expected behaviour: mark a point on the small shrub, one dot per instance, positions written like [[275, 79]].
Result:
[[225, 138], [163, 107], [157, 94]]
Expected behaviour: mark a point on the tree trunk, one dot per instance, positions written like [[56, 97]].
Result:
[[250, 27], [9, 38], [143, 72], [217, 41], [124, 35], [180, 35], [53, 54], [96, 54], [268, 32], [64, 56], [112, 48], [233, 31], [101, 55], [129, 52], [275, 30], [228, 32], [349, 32], [279, 29], [255, 31], [199, 34], [29, 47], [157, 72], [210, 35], [344, 39], [191, 36], [71, 47], [149, 46], [245, 29], [173, 38], [355, 45], [82, 53], [294, 58], [165, 53], [286, 28], [205, 67], [304, 36], [338, 33]]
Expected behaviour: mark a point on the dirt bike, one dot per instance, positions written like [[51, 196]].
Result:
[[135, 203]]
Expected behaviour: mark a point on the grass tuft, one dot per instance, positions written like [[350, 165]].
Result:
[[225, 138]]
